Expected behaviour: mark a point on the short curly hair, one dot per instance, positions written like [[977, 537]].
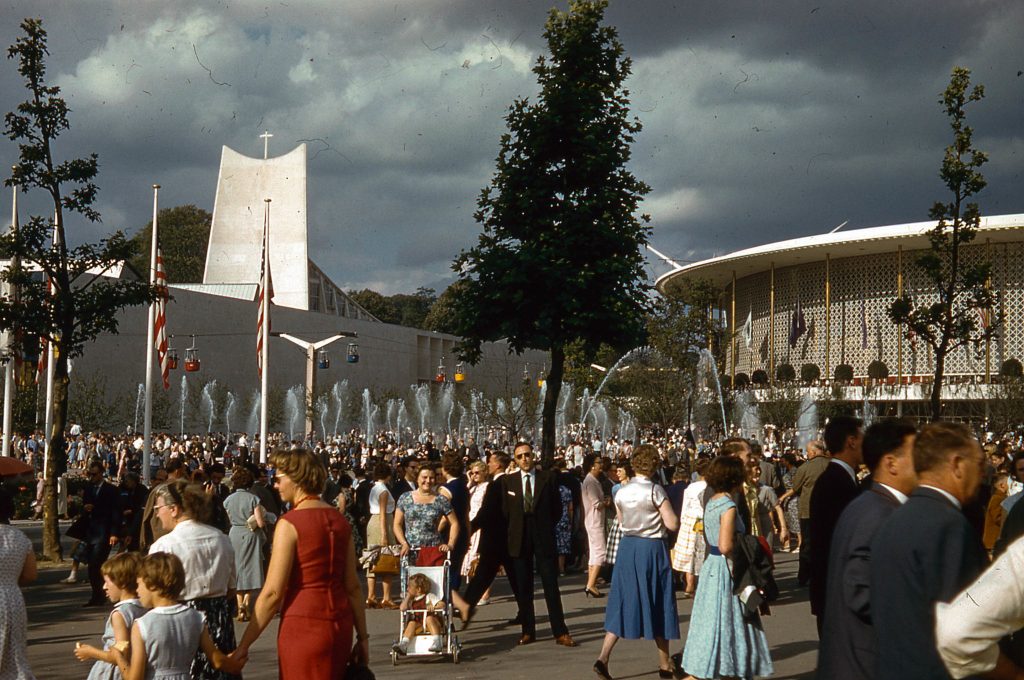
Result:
[[303, 467], [645, 460], [725, 473]]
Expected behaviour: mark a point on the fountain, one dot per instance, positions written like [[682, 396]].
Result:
[[611, 371], [293, 409], [229, 408], [421, 395], [206, 404], [807, 421], [184, 401], [139, 397], [707, 376], [253, 422], [368, 413], [321, 411], [338, 392], [869, 413], [746, 415]]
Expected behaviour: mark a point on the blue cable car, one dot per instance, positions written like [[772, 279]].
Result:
[[323, 359], [353, 353]]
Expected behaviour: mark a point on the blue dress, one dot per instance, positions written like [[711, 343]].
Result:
[[720, 642], [129, 610], [563, 530]]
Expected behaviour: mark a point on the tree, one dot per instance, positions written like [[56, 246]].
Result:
[[184, 236], [81, 303], [558, 260], [412, 309], [441, 316], [680, 326], [380, 306], [962, 290]]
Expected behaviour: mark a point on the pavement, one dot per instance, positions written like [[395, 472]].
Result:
[[57, 620]]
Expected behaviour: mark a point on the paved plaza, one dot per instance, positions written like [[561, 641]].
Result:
[[57, 620]]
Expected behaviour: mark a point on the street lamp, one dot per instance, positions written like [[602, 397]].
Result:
[[314, 358]]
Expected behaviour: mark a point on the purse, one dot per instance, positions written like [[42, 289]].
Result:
[[386, 565], [358, 671], [79, 529]]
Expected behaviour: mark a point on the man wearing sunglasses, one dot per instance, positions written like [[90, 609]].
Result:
[[532, 507], [102, 504]]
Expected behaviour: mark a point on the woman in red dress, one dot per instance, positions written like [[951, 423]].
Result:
[[311, 580]]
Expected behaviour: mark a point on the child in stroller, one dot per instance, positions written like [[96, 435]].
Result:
[[422, 606]]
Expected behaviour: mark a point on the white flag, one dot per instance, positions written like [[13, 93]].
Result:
[[748, 329]]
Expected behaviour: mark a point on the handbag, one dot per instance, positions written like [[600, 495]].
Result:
[[358, 671], [386, 565], [429, 556]]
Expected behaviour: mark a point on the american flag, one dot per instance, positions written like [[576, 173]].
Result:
[[160, 320], [264, 296]]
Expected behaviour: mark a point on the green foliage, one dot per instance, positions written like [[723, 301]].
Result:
[[843, 372], [877, 370], [759, 377], [441, 316], [742, 380], [559, 258], [654, 392], [379, 305], [679, 325], [89, 404], [951, 321], [1011, 368], [402, 308], [785, 372], [809, 373], [184, 236]]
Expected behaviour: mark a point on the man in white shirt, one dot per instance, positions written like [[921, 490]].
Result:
[[848, 637]]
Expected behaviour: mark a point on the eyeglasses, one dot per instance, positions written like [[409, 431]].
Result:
[[157, 507], [521, 456]]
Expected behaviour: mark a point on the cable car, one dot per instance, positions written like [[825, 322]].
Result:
[[172, 359], [192, 357], [441, 376], [353, 353], [526, 374], [323, 359], [460, 373]]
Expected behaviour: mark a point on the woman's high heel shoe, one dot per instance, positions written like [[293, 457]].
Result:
[[593, 593], [601, 668]]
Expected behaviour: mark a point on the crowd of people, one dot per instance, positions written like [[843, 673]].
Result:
[[896, 528]]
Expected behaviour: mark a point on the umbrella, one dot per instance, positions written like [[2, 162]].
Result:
[[12, 467]]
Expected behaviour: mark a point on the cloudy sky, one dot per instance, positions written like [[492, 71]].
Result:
[[763, 120]]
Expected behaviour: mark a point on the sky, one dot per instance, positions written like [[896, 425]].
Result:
[[762, 120]]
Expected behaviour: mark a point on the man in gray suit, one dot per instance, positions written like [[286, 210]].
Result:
[[847, 650]]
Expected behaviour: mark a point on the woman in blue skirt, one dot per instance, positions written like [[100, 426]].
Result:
[[642, 603], [722, 642]]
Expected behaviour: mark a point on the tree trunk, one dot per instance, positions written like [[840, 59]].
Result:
[[936, 396], [55, 462], [554, 387]]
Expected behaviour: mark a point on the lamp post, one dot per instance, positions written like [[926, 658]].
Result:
[[311, 349]]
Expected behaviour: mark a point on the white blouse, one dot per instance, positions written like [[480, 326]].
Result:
[[638, 501], [207, 555], [374, 499]]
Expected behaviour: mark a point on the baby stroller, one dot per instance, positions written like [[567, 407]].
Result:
[[421, 645]]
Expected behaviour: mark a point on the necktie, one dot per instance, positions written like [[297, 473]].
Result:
[[527, 494]]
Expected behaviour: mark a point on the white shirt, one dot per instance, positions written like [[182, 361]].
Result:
[[951, 497], [374, 498], [900, 496], [638, 501], [849, 470], [207, 555], [969, 628]]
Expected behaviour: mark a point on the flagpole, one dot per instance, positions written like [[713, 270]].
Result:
[[48, 417], [771, 326], [265, 330], [9, 345], [988, 338], [899, 333], [147, 420], [828, 315], [732, 331]]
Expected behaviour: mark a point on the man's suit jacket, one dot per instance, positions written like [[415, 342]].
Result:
[[833, 491], [105, 518], [491, 522], [926, 552], [847, 650], [547, 509]]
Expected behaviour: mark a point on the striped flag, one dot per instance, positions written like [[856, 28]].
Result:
[[160, 320], [264, 296]]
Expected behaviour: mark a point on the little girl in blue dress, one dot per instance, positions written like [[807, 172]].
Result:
[[120, 574]]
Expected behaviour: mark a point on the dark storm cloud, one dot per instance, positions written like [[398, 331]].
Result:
[[762, 120]]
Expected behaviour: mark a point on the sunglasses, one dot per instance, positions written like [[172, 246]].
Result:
[[521, 456]]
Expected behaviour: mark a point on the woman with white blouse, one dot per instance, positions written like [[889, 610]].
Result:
[[209, 560], [379, 532], [642, 602]]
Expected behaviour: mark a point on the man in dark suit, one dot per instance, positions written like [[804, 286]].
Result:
[[493, 547], [926, 552], [847, 650], [102, 505], [531, 507], [833, 491]]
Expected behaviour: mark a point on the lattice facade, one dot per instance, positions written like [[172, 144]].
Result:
[[859, 329]]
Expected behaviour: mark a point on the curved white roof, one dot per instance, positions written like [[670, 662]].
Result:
[[719, 270]]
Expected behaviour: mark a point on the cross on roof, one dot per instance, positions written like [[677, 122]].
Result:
[[266, 139]]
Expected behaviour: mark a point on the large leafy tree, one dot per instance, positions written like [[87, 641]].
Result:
[[184, 235], [81, 303], [559, 261], [962, 296]]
